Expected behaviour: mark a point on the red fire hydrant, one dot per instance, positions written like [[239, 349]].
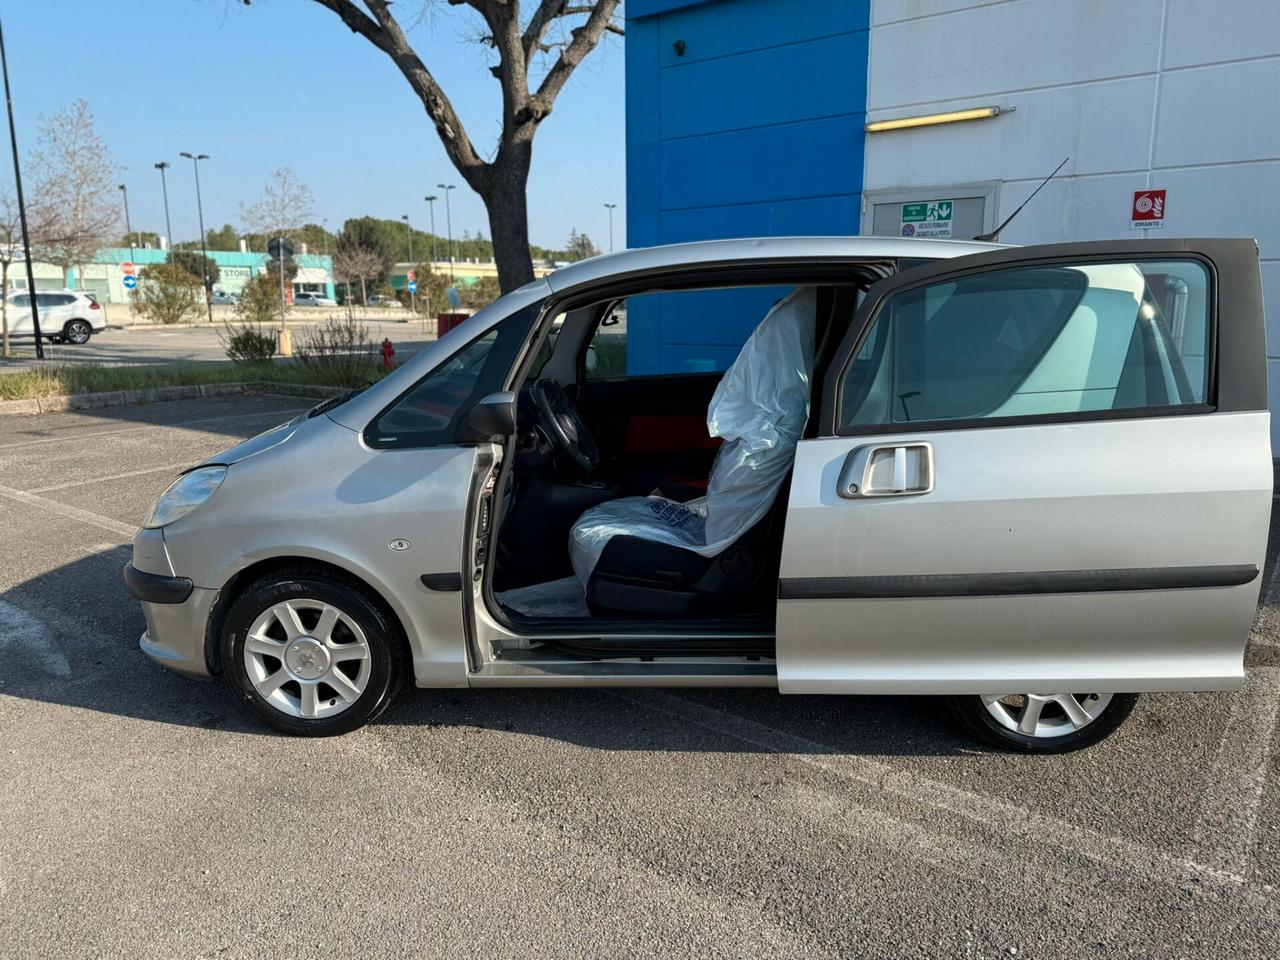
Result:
[[388, 351]]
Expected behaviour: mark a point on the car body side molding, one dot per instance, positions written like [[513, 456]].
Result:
[[1015, 583]]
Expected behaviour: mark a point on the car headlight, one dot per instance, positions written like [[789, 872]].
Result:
[[184, 495]]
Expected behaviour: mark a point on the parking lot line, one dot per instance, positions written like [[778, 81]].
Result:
[[986, 811], [123, 530], [114, 476], [287, 411]]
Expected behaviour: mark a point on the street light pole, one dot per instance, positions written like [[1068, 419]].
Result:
[[431, 203], [22, 208], [610, 207], [204, 255], [413, 297], [448, 216], [162, 166], [127, 224]]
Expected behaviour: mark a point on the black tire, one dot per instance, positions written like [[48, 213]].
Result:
[[977, 719], [388, 659], [77, 331]]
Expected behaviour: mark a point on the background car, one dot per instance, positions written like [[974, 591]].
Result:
[[220, 299], [66, 316], [306, 299], [378, 300]]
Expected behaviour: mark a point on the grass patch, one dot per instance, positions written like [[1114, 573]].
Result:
[[55, 380]]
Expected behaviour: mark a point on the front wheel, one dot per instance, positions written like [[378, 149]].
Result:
[[312, 653], [1043, 723]]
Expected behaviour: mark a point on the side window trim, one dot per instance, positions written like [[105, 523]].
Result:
[[1094, 252]]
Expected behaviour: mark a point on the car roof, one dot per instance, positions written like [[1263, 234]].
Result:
[[760, 248]]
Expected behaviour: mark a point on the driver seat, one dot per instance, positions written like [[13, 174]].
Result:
[[658, 557]]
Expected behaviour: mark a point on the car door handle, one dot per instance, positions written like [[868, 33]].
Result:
[[887, 470]]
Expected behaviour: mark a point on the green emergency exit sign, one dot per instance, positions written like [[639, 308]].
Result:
[[921, 212]]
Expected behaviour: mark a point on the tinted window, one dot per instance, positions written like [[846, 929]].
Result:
[[430, 412], [21, 300], [1031, 341]]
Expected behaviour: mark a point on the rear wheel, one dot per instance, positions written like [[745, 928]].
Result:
[[312, 653], [77, 331], [1043, 723]]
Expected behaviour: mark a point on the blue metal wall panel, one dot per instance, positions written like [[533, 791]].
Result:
[[754, 127]]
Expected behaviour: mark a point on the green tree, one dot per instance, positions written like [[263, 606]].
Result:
[[481, 293], [224, 237], [167, 294], [580, 247], [259, 302], [141, 238], [190, 260]]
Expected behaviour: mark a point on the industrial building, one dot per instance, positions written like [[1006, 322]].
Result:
[[768, 117]]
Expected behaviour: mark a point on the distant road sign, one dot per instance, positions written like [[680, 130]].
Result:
[[127, 268], [413, 275], [279, 248], [130, 281], [413, 286]]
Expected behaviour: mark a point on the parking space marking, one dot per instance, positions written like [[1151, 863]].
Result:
[[1228, 823], [124, 530], [987, 811], [285, 412], [27, 644], [114, 476]]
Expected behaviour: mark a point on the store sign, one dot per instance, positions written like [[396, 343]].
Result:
[[930, 219], [1147, 210]]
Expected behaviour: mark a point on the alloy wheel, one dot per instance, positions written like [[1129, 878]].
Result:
[[1046, 716], [307, 659], [78, 332]]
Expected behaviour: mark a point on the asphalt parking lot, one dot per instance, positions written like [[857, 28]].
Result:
[[145, 815]]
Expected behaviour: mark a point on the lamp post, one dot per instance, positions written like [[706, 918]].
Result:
[[127, 225], [431, 203], [204, 256], [410, 277], [162, 166], [610, 207], [22, 210], [448, 219]]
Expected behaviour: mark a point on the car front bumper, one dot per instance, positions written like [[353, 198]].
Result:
[[177, 613]]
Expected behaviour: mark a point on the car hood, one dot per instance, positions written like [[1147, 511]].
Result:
[[254, 445]]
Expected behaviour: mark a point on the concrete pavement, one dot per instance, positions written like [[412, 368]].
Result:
[[144, 815]]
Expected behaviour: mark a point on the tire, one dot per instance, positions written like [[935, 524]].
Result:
[[306, 678], [77, 331], [989, 719]]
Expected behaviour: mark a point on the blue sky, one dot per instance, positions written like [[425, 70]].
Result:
[[284, 83]]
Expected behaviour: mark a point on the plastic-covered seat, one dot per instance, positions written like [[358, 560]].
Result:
[[759, 409]]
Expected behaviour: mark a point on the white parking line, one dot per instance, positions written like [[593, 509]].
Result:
[[989, 812], [114, 476], [123, 530], [286, 412]]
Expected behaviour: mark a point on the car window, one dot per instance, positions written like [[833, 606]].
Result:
[[1034, 341], [21, 300], [429, 412], [663, 334]]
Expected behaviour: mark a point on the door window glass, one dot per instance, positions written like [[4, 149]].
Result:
[[430, 412], [1034, 341]]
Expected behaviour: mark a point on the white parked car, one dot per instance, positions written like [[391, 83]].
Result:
[[66, 316], [313, 300]]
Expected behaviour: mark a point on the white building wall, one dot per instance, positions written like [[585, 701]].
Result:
[[1176, 94]]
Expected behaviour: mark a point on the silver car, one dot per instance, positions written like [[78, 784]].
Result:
[[1035, 480]]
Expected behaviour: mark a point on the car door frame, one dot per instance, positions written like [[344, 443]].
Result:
[[1236, 384]]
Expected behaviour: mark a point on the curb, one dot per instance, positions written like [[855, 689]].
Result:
[[116, 398]]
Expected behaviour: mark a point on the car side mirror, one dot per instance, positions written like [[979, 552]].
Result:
[[491, 417]]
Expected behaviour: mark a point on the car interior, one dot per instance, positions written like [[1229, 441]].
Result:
[[660, 497]]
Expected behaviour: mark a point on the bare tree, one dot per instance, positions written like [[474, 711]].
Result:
[[41, 230], [75, 180], [284, 208], [564, 30], [356, 263]]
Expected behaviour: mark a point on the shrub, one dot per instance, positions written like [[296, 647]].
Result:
[[337, 352], [190, 261], [248, 343], [259, 300], [167, 294]]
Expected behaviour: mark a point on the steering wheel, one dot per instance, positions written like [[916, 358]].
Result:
[[563, 425]]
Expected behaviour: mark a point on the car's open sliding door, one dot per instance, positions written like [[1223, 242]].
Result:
[[1038, 469]]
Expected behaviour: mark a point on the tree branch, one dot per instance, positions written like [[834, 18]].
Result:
[[380, 28], [584, 40]]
